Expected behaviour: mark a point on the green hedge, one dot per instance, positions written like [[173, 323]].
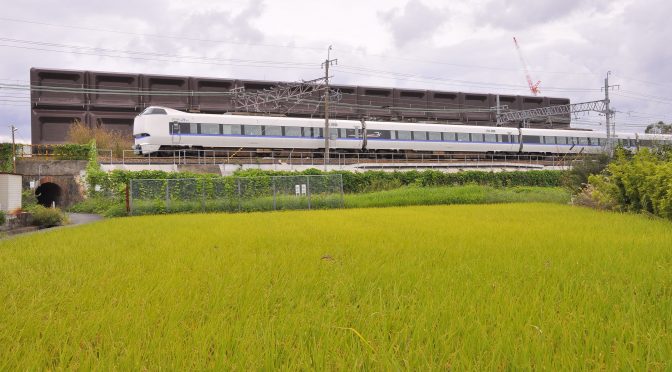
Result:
[[71, 152], [354, 182]]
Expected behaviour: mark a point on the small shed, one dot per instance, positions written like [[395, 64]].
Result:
[[10, 191]]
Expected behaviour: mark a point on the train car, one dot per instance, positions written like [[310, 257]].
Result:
[[386, 136], [561, 141], [651, 140], [159, 128]]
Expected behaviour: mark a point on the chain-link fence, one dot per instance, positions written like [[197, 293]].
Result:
[[233, 194]]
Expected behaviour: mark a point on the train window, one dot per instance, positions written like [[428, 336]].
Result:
[[549, 140], [231, 129], [463, 137], [449, 136], [351, 133], [174, 127], [334, 133], [503, 138], [253, 130], [476, 137], [420, 136], [185, 128], [600, 142], [531, 139], [561, 140], [403, 134], [380, 134], [583, 141], [272, 131], [154, 111], [210, 128], [490, 138], [293, 131], [646, 143], [515, 139], [434, 136], [317, 133]]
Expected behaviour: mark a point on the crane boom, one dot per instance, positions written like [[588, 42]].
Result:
[[534, 87]]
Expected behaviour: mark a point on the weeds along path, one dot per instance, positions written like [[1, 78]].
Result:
[[509, 286]]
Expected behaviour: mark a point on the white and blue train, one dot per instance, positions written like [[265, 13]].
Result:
[[160, 128]]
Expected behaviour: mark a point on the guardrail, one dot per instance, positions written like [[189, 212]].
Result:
[[312, 158], [303, 158]]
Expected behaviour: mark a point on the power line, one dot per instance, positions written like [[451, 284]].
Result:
[[186, 38]]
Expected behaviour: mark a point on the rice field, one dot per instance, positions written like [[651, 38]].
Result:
[[506, 286]]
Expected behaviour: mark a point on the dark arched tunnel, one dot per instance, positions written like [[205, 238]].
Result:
[[48, 194]]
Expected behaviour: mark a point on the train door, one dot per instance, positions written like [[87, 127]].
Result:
[[175, 133]]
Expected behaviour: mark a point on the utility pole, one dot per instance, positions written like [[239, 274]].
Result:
[[14, 129], [608, 114], [328, 62]]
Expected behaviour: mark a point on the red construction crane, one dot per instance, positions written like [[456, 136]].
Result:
[[534, 87]]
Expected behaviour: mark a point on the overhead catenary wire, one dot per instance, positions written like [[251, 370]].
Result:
[[160, 36]]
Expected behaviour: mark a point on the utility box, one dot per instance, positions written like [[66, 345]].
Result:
[[10, 191]]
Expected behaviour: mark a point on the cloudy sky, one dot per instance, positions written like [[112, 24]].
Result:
[[427, 44]]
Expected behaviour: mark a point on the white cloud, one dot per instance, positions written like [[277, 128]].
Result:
[[568, 45]]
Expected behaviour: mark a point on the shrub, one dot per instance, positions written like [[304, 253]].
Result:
[[577, 177], [2, 218], [28, 199], [47, 217], [96, 204], [637, 183]]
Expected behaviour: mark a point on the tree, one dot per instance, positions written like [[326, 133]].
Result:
[[659, 128]]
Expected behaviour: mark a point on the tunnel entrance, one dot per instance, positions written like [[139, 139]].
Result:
[[48, 193]]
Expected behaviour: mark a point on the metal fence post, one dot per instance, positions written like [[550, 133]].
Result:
[[308, 189], [203, 194], [342, 196], [239, 195], [274, 202], [167, 195], [130, 198]]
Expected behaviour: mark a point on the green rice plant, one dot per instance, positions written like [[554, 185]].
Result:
[[463, 287]]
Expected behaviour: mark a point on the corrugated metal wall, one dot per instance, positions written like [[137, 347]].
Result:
[[102, 104]]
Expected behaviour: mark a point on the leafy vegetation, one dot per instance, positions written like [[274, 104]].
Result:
[[6, 163], [637, 183], [487, 287], [3, 218], [355, 182], [28, 199], [576, 178], [47, 217]]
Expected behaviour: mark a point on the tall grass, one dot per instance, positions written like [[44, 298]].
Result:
[[471, 194], [106, 139], [509, 286]]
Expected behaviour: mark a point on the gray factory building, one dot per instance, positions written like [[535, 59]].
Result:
[[111, 100]]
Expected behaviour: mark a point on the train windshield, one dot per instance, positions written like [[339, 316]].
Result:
[[154, 111]]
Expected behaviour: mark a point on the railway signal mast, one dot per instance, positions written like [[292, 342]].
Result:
[[534, 87]]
